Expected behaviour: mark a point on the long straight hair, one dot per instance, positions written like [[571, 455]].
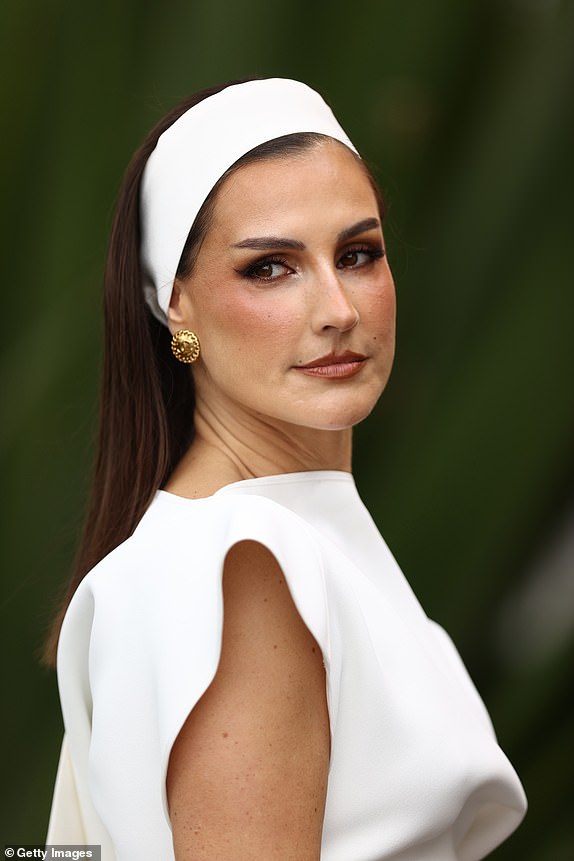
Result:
[[147, 397], [146, 401]]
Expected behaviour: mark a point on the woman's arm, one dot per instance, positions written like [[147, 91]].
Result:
[[247, 774]]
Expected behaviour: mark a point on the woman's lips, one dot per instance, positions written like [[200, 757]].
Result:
[[334, 365]]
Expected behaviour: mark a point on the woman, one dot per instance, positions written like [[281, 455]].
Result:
[[248, 674]]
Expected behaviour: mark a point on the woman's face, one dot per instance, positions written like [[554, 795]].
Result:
[[291, 294]]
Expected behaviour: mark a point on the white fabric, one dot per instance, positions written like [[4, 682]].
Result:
[[415, 771], [194, 152], [66, 824]]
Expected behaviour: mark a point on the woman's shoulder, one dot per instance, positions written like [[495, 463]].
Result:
[[160, 592], [180, 545], [205, 525]]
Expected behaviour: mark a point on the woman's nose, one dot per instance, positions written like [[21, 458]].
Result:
[[333, 306]]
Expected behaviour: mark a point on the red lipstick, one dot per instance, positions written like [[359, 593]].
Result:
[[339, 366]]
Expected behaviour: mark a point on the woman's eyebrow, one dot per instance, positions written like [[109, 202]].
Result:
[[359, 227], [267, 243]]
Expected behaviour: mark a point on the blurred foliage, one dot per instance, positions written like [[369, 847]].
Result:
[[464, 108]]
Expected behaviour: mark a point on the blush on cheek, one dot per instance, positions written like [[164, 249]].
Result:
[[379, 314], [237, 313], [260, 318]]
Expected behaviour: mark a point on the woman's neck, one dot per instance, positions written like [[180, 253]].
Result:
[[232, 445]]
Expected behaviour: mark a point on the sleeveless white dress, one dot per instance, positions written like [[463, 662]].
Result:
[[415, 770]]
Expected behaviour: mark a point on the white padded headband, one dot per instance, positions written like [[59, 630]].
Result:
[[194, 152]]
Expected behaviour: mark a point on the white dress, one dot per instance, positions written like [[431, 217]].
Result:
[[415, 770]]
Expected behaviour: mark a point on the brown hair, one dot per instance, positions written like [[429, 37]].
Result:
[[147, 397]]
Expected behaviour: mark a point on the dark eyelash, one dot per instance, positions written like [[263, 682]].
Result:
[[251, 269], [375, 252]]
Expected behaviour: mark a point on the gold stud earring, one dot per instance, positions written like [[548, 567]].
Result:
[[185, 346]]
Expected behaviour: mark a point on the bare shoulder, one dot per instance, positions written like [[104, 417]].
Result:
[[247, 774]]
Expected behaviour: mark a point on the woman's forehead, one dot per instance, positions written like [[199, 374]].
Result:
[[325, 181]]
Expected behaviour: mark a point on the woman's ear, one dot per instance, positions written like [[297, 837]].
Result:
[[178, 315]]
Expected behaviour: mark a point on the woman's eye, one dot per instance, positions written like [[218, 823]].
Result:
[[266, 270], [269, 270], [356, 257]]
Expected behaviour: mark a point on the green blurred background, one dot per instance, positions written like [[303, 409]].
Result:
[[464, 108]]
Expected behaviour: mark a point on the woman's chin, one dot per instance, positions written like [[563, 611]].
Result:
[[340, 418]]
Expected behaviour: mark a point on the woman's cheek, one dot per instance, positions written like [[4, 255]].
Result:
[[379, 311], [268, 317], [251, 332]]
